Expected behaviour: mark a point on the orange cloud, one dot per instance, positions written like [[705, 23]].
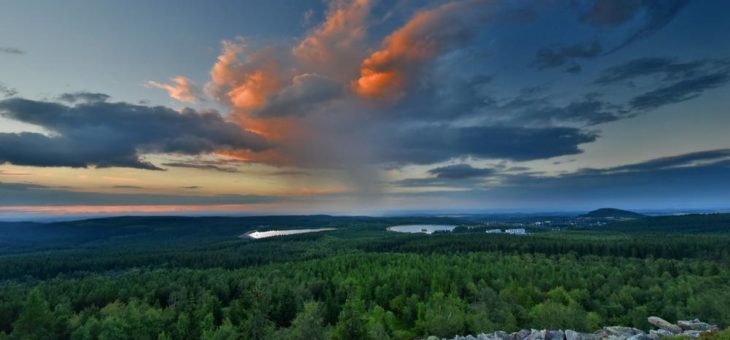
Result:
[[271, 90], [246, 83], [181, 89], [335, 48], [428, 34]]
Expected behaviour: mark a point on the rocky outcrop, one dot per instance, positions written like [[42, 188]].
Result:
[[664, 324], [686, 328]]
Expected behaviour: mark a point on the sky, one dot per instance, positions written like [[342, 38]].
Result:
[[362, 106]]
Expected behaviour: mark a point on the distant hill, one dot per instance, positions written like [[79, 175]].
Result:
[[163, 231], [612, 213], [693, 223]]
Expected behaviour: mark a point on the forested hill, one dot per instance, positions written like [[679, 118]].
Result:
[[157, 231], [612, 213], [693, 223]]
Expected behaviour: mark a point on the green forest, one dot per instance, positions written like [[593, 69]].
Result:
[[178, 278]]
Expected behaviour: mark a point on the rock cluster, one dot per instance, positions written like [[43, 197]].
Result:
[[687, 328]]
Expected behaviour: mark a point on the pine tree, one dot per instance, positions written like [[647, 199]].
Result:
[[36, 319]]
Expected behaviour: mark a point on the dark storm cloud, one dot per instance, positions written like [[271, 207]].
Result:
[[87, 97], [683, 160], [690, 180], [450, 175], [460, 171], [644, 17], [683, 180], [654, 82], [675, 81], [433, 144], [106, 134], [589, 110], [678, 92], [652, 172], [550, 57], [11, 50], [20, 194]]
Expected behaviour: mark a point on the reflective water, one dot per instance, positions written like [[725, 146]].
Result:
[[273, 233], [421, 228]]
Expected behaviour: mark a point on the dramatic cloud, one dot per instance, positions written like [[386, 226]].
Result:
[[672, 81], [245, 82], [83, 97], [701, 158], [427, 35], [434, 144], [687, 181], [335, 48], [106, 134], [680, 91], [450, 175], [181, 89], [460, 171], [586, 111], [639, 18], [694, 180]]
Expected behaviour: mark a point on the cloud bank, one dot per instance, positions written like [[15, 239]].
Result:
[[104, 134]]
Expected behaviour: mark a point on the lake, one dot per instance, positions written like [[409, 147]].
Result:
[[421, 228], [256, 235]]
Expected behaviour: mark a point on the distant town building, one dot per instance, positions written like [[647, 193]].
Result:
[[494, 231], [518, 231]]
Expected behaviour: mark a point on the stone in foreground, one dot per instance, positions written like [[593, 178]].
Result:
[[664, 324], [696, 325]]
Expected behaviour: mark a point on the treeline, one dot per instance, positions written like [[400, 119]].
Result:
[[692, 223], [236, 253], [377, 296]]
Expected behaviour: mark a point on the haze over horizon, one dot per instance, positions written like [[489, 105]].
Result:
[[362, 106]]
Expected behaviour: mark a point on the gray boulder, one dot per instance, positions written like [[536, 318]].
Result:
[[660, 333], [621, 331], [664, 324], [536, 335], [554, 335], [501, 335], [572, 335], [641, 336], [521, 335], [696, 325]]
